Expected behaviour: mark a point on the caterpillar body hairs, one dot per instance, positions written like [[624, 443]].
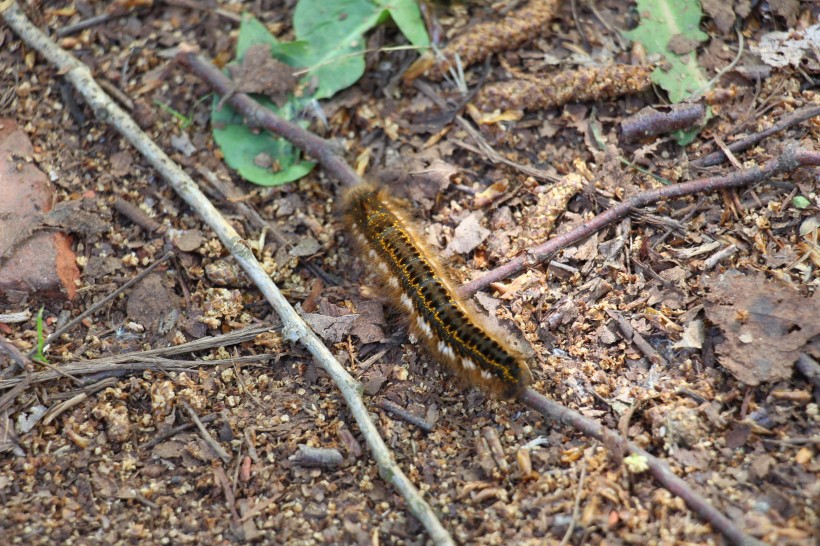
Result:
[[417, 285]]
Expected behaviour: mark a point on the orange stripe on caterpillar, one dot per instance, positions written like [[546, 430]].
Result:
[[417, 284]]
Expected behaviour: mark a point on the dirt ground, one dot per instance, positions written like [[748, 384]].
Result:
[[679, 326]]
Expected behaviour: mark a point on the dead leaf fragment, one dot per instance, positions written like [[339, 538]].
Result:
[[693, 336], [765, 325], [468, 235]]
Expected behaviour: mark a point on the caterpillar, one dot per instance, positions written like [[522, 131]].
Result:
[[451, 329]]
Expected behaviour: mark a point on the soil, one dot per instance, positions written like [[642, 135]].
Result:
[[644, 326]]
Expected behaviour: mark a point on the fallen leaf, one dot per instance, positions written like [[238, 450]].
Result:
[[333, 329], [693, 336], [765, 325], [468, 235]]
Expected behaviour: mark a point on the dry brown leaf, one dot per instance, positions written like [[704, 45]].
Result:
[[765, 325]]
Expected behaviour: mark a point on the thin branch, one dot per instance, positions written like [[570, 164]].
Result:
[[176, 430], [798, 116], [484, 148], [657, 467], [93, 309], [295, 328], [149, 360], [213, 444], [132, 362], [258, 116], [577, 507], [790, 159], [402, 413]]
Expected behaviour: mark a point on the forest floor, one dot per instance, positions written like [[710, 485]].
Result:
[[679, 326]]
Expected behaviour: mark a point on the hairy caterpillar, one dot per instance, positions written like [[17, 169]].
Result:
[[452, 331]]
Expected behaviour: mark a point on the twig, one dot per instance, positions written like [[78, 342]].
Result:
[[9, 397], [631, 336], [87, 23], [798, 116], [93, 309], [484, 147], [790, 159], [657, 467], [402, 413], [126, 363], [577, 507], [230, 497], [137, 216], [295, 328], [715, 258], [15, 354], [176, 430], [213, 444], [149, 360], [257, 116]]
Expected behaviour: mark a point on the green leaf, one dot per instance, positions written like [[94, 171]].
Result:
[[662, 20], [406, 15], [241, 146], [332, 36], [252, 32], [800, 202], [330, 47], [41, 338]]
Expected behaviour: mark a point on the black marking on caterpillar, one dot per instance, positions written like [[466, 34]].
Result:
[[450, 328]]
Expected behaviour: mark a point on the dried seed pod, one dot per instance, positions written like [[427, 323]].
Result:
[[540, 219], [482, 40], [584, 84]]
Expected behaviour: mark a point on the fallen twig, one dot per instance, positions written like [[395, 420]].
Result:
[[657, 467], [148, 360], [798, 116], [484, 148], [656, 120], [402, 413], [213, 444], [295, 328], [257, 116], [176, 430], [91, 310], [321, 457], [790, 159]]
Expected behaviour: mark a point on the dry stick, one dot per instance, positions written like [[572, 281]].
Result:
[[402, 413], [213, 444], [798, 116], [176, 430], [93, 309], [112, 363], [131, 363], [659, 469], [295, 328], [789, 160], [258, 116]]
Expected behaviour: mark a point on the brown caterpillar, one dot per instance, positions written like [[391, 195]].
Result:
[[416, 284]]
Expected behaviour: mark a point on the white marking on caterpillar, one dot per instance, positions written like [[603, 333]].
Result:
[[425, 328], [446, 350], [406, 302]]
